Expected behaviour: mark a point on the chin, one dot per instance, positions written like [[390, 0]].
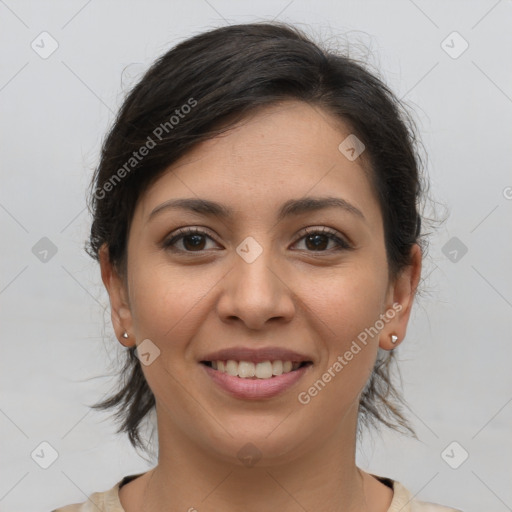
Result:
[[252, 445]]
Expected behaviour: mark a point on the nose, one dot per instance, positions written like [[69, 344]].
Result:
[[255, 292]]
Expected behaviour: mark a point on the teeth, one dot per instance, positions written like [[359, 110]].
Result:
[[263, 370], [277, 367], [232, 368], [247, 369]]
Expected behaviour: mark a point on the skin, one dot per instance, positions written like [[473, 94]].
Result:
[[313, 301]]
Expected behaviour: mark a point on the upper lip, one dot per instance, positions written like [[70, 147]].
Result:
[[256, 355]]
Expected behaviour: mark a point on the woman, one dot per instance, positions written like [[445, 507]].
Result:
[[255, 217]]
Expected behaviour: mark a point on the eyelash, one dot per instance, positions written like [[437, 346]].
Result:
[[331, 235]]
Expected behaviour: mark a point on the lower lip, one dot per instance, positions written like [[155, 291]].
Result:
[[255, 389]]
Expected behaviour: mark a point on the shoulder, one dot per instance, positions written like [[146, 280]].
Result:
[[106, 501], [404, 501]]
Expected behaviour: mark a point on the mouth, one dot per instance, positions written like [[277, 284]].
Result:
[[262, 380], [263, 370]]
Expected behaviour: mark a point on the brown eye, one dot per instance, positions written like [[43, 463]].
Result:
[[318, 240], [193, 240]]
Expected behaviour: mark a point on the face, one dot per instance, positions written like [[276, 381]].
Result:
[[311, 281]]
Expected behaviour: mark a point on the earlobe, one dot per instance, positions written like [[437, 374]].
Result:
[[402, 293], [388, 342], [119, 306]]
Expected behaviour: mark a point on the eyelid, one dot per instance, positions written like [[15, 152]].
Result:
[[343, 243], [181, 233]]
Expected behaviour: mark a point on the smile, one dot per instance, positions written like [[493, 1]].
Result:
[[261, 370], [248, 380]]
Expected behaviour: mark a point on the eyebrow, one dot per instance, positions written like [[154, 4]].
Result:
[[292, 207]]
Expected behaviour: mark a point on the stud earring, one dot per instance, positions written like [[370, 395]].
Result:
[[394, 338], [125, 335]]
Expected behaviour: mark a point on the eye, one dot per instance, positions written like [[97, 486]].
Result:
[[192, 240], [316, 239]]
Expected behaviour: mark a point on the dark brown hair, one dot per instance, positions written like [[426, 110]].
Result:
[[205, 85]]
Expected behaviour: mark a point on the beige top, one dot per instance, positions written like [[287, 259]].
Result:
[[108, 501]]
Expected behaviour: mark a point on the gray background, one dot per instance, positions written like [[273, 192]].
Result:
[[57, 345]]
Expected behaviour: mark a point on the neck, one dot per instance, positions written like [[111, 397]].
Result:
[[324, 477]]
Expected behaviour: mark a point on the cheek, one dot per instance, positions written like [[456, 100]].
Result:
[[167, 302], [351, 299], [349, 307], [349, 346]]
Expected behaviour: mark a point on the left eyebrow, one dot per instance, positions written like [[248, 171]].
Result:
[[292, 207], [311, 204]]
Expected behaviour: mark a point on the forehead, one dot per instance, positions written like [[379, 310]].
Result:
[[283, 151]]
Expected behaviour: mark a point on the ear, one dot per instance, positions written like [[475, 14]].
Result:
[[399, 300], [119, 304]]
